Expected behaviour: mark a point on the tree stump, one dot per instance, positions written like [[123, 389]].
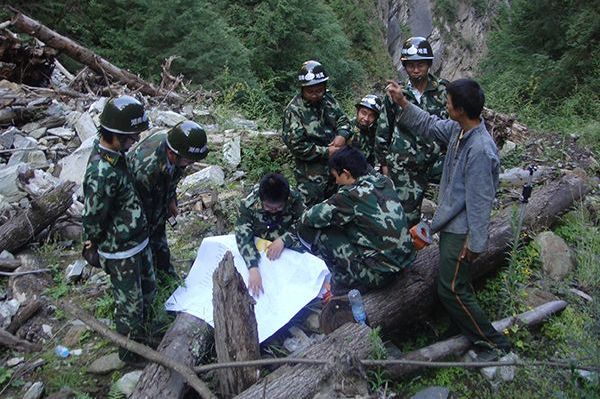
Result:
[[236, 333]]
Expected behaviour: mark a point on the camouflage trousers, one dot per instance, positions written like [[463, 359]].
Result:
[[315, 183], [349, 269], [134, 289], [161, 254]]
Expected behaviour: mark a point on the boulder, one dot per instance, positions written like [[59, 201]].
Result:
[[8, 183], [211, 175], [73, 166], [35, 391], [556, 257], [38, 133], [106, 364], [62, 132], [127, 383], [85, 127], [232, 153], [8, 137]]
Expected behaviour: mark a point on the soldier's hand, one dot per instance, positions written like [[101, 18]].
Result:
[[173, 209], [467, 255], [332, 149], [275, 249], [395, 92], [338, 141], [385, 170], [88, 244], [255, 282]]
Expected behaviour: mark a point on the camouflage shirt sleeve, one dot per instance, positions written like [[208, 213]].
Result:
[[385, 127], [244, 235], [336, 211], [296, 139], [98, 193], [344, 128]]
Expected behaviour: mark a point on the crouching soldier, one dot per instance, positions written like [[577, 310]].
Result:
[[364, 126], [270, 211], [361, 230], [114, 221], [157, 164]]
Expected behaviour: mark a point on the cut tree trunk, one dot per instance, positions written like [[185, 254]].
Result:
[[349, 342], [185, 342], [44, 211], [236, 333], [79, 53], [413, 295]]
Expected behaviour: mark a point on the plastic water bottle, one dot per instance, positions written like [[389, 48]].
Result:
[[358, 308], [62, 351]]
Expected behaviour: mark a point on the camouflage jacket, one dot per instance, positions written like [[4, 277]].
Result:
[[371, 216], [255, 221], [398, 146], [364, 139], [113, 217], [308, 129], [154, 177]]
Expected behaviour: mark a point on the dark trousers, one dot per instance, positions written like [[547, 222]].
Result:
[[456, 294]]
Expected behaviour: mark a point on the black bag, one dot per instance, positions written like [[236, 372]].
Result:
[[90, 254]]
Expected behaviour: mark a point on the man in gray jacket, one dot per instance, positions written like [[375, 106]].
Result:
[[467, 191]]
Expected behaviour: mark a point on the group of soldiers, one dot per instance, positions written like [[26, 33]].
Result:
[[360, 185]]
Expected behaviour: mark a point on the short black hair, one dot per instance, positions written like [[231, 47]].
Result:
[[467, 95], [274, 187], [351, 159], [105, 134]]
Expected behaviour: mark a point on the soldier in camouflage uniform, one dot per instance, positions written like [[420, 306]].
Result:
[[361, 230], [364, 126], [157, 164], [270, 211], [314, 127], [408, 159], [114, 220]]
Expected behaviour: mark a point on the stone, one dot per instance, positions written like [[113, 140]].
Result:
[[73, 166], [209, 199], [6, 255], [30, 127], [232, 153], [15, 361], [63, 132], [556, 257], [75, 270], [127, 383], [21, 142], [38, 182], [507, 148], [501, 373], [85, 127], [35, 391], [98, 105], [8, 137], [432, 393], [537, 297], [38, 133], [204, 116], [106, 364], [35, 158], [8, 183], [47, 329], [211, 175], [4, 204], [7, 310], [73, 335], [167, 118]]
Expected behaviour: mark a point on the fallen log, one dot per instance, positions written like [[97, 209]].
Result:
[[413, 295], [44, 211], [460, 344], [25, 313], [17, 344], [87, 57], [185, 342], [349, 342], [236, 333]]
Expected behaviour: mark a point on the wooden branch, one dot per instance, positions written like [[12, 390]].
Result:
[[140, 349], [74, 50], [16, 274], [412, 296], [44, 211], [25, 313], [17, 344], [236, 333]]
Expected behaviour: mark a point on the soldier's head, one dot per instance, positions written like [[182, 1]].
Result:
[[122, 121], [368, 110], [347, 164], [273, 192], [416, 56], [465, 99], [313, 81], [186, 144]]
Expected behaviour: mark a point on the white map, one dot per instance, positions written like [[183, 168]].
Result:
[[289, 283]]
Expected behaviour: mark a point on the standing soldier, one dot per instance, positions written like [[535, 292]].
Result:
[[114, 222], [361, 230], [314, 127], [364, 125], [407, 158], [270, 212], [157, 164]]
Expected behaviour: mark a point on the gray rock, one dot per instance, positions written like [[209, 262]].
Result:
[[85, 127], [507, 148], [501, 373], [15, 361], [74, 271], [7, 310], [30, 127], [22, 142], [8, 183], [167, 118], [98, 105], [8, 137], [211, 175], [232, 153], [38, 133], [432, 393], [35, 391], [6, 255], [243, 124], [204, 116], [40, 183], [127, 383], [63, 132], [106, 364], [520, 176], [34, 158], [73, 166], [4, 204], [556, 257]]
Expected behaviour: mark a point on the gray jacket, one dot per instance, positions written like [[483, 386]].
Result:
[[470, 176]]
